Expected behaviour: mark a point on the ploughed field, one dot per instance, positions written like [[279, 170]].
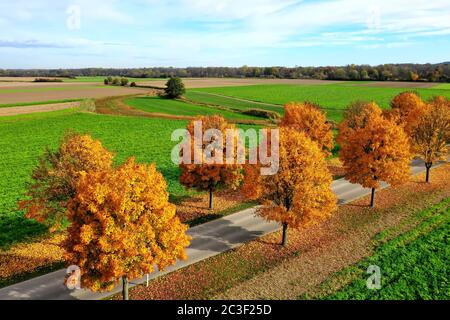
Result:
[[30, 93]]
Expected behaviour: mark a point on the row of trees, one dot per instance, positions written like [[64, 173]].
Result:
[[116, 81], [121, 224], [405, 72], [375, 147]]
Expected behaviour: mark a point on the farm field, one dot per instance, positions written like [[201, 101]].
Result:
[[51, 92], [37, 103], [415, 265], [334, 98], [100, 79], [175, 107]]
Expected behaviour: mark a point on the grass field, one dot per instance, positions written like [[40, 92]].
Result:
[[335, 97], [101, 79], [25, 104], [415, 265], [175, 107], [206, 98]]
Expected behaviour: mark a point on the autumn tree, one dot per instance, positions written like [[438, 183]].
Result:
[[308, 118], [122, 225], [432, 133], [356, 116], [55, 177], [210, 172], [377, 151], [406, 110], [300, 193]]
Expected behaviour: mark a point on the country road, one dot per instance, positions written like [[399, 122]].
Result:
[[209, 240]]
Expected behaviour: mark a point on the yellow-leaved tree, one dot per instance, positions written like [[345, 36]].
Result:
[[299, 194], [122, 225], [432, 134], [376, 150], [55, 177], [407, 108], [213, 172], [309, 118]]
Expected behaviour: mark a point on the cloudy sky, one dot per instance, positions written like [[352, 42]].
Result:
[[179, 33]]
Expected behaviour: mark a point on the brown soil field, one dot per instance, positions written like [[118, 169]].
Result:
[[74, 91], [13, 111], [192, 83], [23, 79]]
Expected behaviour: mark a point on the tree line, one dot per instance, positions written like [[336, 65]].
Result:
[[387, 72]]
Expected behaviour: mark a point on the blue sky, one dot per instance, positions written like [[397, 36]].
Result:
[[180, 33]]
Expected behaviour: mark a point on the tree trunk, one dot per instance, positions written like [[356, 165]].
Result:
[[285, 235], [372, 198], [125, 288], [428, 166], [211, 199]]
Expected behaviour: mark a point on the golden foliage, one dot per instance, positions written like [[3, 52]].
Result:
[[55, 177], [377, 151], [407, 108], [356, 117], [122, 224], [308, 118], [432, 133], [210, 177], [300, 193]]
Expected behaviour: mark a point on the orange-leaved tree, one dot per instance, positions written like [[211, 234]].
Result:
[[210, 171], [122, 225], [55, 177], [407, 108], [432, 133], [299, 194], [356, 116], [377, 151], [308, 118]]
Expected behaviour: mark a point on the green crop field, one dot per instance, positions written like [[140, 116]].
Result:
[[335, 97], [175, 107], [207, 98], [100, 79], [415, 265]]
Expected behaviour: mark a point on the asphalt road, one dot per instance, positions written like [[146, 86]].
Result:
[[209, 240]]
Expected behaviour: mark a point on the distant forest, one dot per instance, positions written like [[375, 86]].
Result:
[[387, 72]]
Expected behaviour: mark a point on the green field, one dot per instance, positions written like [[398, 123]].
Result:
[[334, 98], [26, 104], [414, 265], [101, 79], [175, 107], [206, 98]]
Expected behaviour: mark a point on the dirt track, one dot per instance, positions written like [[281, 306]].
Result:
[[13, 111]]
